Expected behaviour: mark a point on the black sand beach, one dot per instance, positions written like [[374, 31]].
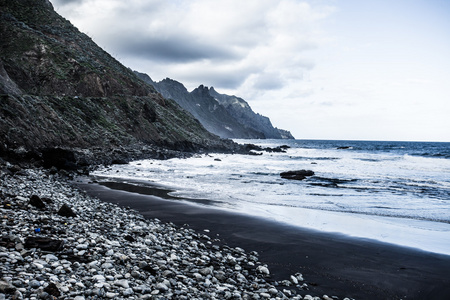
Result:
[[331, 264]]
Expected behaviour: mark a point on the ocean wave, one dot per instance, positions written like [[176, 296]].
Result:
[[445, 155]]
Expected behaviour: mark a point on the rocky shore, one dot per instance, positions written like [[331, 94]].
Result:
[[59, 243]]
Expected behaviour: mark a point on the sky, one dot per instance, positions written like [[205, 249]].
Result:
[[323, 69]]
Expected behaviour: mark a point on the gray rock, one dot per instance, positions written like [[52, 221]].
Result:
[[82, 246], [296, 175], [127, 292], [18, 295], [98, 278], [122, 283], [50, 257], [111, 295], [6, 287], [263, 270], [205, 271], [34, 284], [107, 266], [36, 202], [66, 211], [162, 287]]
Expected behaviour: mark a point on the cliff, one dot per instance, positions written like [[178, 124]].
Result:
[[223, 115], [59, 89], [239, 109]]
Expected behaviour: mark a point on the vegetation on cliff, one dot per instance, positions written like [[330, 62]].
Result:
[[59, 89]]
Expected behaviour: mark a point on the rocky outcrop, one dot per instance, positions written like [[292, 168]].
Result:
[[223, 115], [285, 134], [296, 175], [58, 89], [239, 109], [213, 116]]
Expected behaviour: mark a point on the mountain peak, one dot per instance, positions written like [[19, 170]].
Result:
[[223, 115]]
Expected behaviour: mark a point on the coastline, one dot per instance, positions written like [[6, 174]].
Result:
[[58, 242], [331, 264]]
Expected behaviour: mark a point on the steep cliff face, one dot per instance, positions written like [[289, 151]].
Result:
[[59, 89], [223, 115], [211, 114], [44, 54], [285, 134], [241, 111]]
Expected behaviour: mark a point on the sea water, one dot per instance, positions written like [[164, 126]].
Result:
[[395, 192]]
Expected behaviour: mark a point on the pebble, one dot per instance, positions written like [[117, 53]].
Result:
[[127, 292], [50, 257], [34, 284], [162, 287], [263, 270], [113, 252], [111, 295], [122, 283]]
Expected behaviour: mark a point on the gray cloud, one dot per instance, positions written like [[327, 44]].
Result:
[[176, 49], [57, 3], [227, 80], [259, 46], [268, 81]]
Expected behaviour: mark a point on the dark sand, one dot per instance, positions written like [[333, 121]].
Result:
[[331, 264]]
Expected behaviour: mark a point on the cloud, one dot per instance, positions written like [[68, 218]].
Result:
[[66, 2], [230, 44], [173, 50], [268, 81]]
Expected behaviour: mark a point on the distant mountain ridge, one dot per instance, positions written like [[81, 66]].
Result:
[[242, 112], [224, 115]]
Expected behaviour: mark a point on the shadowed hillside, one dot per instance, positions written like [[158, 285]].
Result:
[[59, 89]]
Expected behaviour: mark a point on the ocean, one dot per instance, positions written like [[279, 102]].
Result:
[[394, 192]]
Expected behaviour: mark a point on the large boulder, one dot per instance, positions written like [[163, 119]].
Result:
[[62, 159], [66, 211], [43, 243], [37, 202], [296, 175]]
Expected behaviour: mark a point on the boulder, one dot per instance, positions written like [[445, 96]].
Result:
[[296, 175], [6, 287], [43, 243], [52, 290], [66, 211], [37, 202], [59, 158]]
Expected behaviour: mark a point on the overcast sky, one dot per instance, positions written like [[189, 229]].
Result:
[[323, 69]]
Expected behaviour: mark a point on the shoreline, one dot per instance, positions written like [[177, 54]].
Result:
[[58, 242], [331, 263], [423, 235]]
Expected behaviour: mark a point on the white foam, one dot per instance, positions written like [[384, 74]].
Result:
[[419, 234], [385, 203]]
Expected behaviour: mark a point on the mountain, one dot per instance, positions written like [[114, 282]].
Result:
[[59, 89], [241, 111], [285, 134], [223, 115], [213, 116]]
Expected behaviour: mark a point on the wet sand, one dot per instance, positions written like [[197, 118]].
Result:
[[331, 264]]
